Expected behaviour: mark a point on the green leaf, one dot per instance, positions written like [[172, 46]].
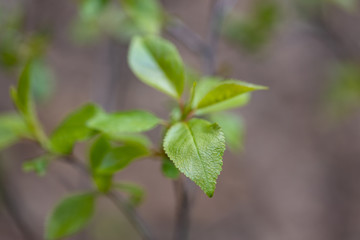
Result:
[[147, 16], [118, 158], [103, 182], [156, 62], [12, 128], [349, 5], [233, 128], [98, 150], [124, 122], [38, 165], [169, 170], [23, 100], [196, 148], [130, 139], [136, 192], [213, 97], [73, 129], [70, 216]]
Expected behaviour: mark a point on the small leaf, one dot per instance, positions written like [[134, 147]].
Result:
[[124, 122], [136, 192], [103, 182], [70, 216], [169, 170], [196, 148], [147, 16], [98, 150], [73, 129], [156, 62], [233, 128], [12, 128], [118, 158], [38, 165], [130, 139], [224, 95]]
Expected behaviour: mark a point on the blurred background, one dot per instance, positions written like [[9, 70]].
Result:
[[298, 173]]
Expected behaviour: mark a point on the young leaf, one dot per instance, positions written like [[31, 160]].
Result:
[[114, 159], [70, 216], [24, 102], [136, 192], [98, 150], [156, 62], [147, 16], [233, 128], [12, 128], [196, 148], [130, 139], [223, 95], [38, 165], [73, 129], [169, 170], [124, 122]]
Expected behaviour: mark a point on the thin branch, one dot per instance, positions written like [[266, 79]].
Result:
[[186, 36], [217, 16], [182, 224], [126, 208], [131, 214]]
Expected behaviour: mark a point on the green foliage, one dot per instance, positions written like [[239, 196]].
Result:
[[22, 97], [233, 128], [12, 129], [107, 160], [70, 216], [73, 129], [38, 165], [122, 21], [196, 148], [118, 158], [212, 95], [254, 31], [157, 63], [145, 16], [343, 94], [136, 193], [123, 122], [169, 170]]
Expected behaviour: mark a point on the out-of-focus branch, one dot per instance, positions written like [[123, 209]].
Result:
[[219, 10], [131, 214], [186, 36], [119, 202], [182, 224]]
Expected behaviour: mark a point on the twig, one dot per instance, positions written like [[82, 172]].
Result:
[[182, 224], [219, 10], [186, 36], [132, 215], [126, 208]]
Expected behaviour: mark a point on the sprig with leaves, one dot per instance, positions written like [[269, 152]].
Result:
[[193, 143]]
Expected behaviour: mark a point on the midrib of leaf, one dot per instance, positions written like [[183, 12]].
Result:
[[197, 151], [163, 72]]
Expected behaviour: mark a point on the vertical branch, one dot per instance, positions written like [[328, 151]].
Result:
[[182, 224], [218, 12]]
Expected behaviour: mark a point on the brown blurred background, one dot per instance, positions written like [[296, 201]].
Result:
[[298, 177]]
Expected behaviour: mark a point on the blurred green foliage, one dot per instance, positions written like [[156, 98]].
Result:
[[17, 47], [120, 19], [343, 94], [253, 31]]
